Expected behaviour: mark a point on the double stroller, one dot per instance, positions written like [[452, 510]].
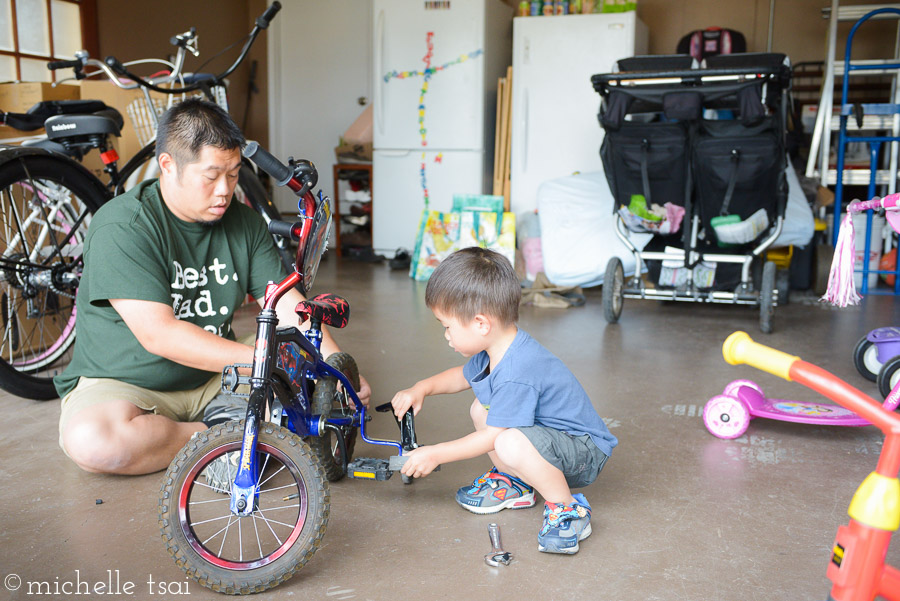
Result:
[[695, 155]]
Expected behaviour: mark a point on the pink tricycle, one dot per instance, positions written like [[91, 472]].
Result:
[[727, 415]]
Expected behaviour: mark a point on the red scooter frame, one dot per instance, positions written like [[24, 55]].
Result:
[[857, 569]]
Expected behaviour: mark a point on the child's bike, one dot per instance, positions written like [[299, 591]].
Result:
[[256, 528]]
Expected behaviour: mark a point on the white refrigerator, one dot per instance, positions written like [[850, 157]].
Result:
[[555, 131], [436, 65]]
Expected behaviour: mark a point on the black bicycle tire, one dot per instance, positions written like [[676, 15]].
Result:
[[91, 192], [323, 404], [258, 199], [253, 580]]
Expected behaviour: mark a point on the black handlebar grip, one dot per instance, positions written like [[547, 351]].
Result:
[[263, 20], [280, 172], [115, 64], [282, 228], [74, 64]]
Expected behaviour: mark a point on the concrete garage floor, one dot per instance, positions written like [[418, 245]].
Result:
[[678, 514]]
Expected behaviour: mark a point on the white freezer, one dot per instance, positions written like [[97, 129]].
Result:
[[398, 199], [554, 106], [429, 74]]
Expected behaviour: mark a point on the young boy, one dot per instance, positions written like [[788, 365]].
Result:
[[531, 415]]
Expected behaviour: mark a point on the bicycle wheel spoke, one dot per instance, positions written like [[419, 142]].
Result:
[[258, 542], [261, 491], [270, 477], [225, 535], [270, 520], [201, 522], [210, 501], [269, 526]]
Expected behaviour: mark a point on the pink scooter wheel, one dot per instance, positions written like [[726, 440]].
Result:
[[732, 388], [726, 417]]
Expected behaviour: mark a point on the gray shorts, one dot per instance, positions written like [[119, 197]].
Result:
[[577, 457]]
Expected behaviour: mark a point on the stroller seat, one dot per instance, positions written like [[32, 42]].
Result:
[[704, 143]]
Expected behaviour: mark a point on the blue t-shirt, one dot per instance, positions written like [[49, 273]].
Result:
[[531, 386]]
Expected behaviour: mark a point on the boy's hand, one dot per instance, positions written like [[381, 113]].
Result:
[[405, 399], [421, 462]]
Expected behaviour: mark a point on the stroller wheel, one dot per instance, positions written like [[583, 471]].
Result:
[[613, 290], [766, 303]]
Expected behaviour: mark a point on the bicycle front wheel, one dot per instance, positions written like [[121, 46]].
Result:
[[45, 206], [240, 555]]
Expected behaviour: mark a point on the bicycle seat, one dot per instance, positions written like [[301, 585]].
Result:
[[330, 309], [107, 121]]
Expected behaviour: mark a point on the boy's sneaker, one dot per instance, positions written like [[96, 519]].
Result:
[[493, 491], [564, 526]]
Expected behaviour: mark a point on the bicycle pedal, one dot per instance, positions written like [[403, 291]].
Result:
[[370, 468]]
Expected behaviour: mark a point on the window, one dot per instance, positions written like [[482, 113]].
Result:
[[33, 32]]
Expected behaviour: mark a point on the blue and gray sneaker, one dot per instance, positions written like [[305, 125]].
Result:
[[493, 491], [564, 526]]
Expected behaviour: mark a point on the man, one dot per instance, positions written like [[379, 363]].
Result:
[[165, 267]]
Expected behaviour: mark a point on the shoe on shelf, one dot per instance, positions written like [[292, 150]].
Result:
[[222, 408], [494, 491], [564, 526]]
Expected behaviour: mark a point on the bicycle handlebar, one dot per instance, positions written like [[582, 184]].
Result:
[[888, 202], [281, 173], [114, 69], [72, 64], [284, 229], [740, 348], [263, 20]]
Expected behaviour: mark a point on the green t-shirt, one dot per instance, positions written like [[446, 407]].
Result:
[[137, 249]]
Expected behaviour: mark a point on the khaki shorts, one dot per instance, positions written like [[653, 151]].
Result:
[[180, 406]]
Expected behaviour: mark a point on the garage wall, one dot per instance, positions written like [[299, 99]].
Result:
[[134, 30], [799, 28]]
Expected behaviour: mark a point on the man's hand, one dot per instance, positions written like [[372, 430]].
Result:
[[421, 462], [405, 399], [365, 391]]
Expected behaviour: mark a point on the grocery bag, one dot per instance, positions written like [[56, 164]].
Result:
[[443, 233]]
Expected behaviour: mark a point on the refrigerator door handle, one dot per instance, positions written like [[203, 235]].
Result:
[[379, 73], [525, 131]]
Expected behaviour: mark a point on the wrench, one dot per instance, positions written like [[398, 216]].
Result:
[[497, 554]]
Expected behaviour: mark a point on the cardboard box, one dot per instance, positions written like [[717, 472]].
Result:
[[18, 97], [130, 142]]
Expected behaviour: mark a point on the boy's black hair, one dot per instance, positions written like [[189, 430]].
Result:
[[188, 126], [475, 281]]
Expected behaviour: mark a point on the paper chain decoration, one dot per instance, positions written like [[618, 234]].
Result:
[[426, 75]]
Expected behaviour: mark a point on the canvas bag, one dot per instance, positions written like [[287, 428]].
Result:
[[442, 233]]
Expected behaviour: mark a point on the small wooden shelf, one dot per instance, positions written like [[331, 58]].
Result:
[[338, 169]]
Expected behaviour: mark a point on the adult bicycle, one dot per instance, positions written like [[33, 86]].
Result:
[[47, 198]]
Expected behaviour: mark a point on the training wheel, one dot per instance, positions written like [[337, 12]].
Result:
[[726, 416]]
